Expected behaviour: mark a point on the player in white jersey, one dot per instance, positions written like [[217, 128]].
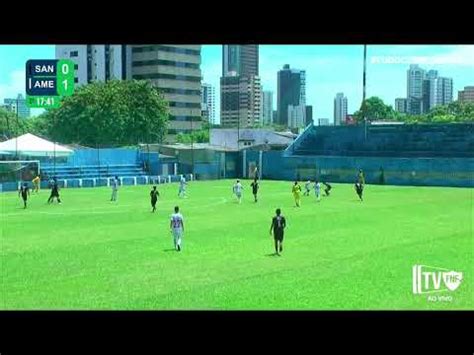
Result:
[[307, 188], [177, 228], [317, 190], [114, 184], [182, 187], [238, 190]]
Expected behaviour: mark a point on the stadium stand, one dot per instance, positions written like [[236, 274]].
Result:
[[422, 140]]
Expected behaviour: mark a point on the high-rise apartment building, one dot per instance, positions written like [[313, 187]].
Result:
[[98, 62], [466, 95], [340, 109], [401, 105], [241, 101], [291, 97], [415, 80], [241, 90], [267, 111], [208, 102], [18, 106]]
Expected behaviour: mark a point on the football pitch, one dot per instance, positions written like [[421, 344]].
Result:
[[339, 254]]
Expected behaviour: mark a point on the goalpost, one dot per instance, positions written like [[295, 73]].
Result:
[[19, 170]]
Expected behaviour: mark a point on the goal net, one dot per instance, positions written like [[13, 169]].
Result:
[[19, 170]]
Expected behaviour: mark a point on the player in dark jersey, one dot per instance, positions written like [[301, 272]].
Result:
[[54, 191], [255, 187], [277, 227], [24, 192], [154, 198], [361, 178], [359, 189], [327, 189]]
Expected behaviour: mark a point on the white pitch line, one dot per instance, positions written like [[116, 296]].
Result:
[[107, 209]]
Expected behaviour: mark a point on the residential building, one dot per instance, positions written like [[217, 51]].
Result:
[[267, 110], [176, 71], [296, 116], [240, 101], [233, 138], [340, 109], [241, 90], [466, 95], [17, 106], [309, 115], [441, 91], [401, 105], [240, 59], [415, 79], [323, 121], [97, 62], [208, 97], [291, 85]]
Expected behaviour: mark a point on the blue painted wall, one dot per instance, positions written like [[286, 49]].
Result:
[[397, 171], [103, 156]]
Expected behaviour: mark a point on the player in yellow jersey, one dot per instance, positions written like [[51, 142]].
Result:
[[36, 183], [297, 193]]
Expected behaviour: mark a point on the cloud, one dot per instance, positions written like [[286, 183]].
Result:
[[14, 86], [426, 55], [461, 55]]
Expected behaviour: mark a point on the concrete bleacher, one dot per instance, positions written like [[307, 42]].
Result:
[[92, 171], [423, 140], [94, 175], [102, 175]]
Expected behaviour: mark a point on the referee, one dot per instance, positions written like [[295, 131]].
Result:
[[278, 227]]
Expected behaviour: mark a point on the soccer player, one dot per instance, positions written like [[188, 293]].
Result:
[[359, 189], [277, 227], [361, 177], [154, 198], [36, 183], [115, 184], [317, 190], [54, 191], [177, 228], [255, 187], [307, 188], [182, 187], [24, 192], [327, 189], [297, 193], [238, 188], [255, 172]]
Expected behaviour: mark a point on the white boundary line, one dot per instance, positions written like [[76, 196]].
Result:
[[111, 209]]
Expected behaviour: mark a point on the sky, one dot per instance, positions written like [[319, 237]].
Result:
[[330, 69]]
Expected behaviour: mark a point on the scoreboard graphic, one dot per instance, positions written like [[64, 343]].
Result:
[[48, 81]]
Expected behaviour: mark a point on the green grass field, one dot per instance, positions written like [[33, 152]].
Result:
[[340, 254]]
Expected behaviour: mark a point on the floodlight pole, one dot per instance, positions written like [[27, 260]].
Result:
[[98, 160], [363, 91], [192, 147], [54, 158], [17, 132]]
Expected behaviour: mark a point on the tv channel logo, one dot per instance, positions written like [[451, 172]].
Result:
[[430, 279]]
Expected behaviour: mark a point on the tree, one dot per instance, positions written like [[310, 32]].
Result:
[[39, 125], [201, 136], [452, 112], [375, 109], [111, 113], [11, 125]]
